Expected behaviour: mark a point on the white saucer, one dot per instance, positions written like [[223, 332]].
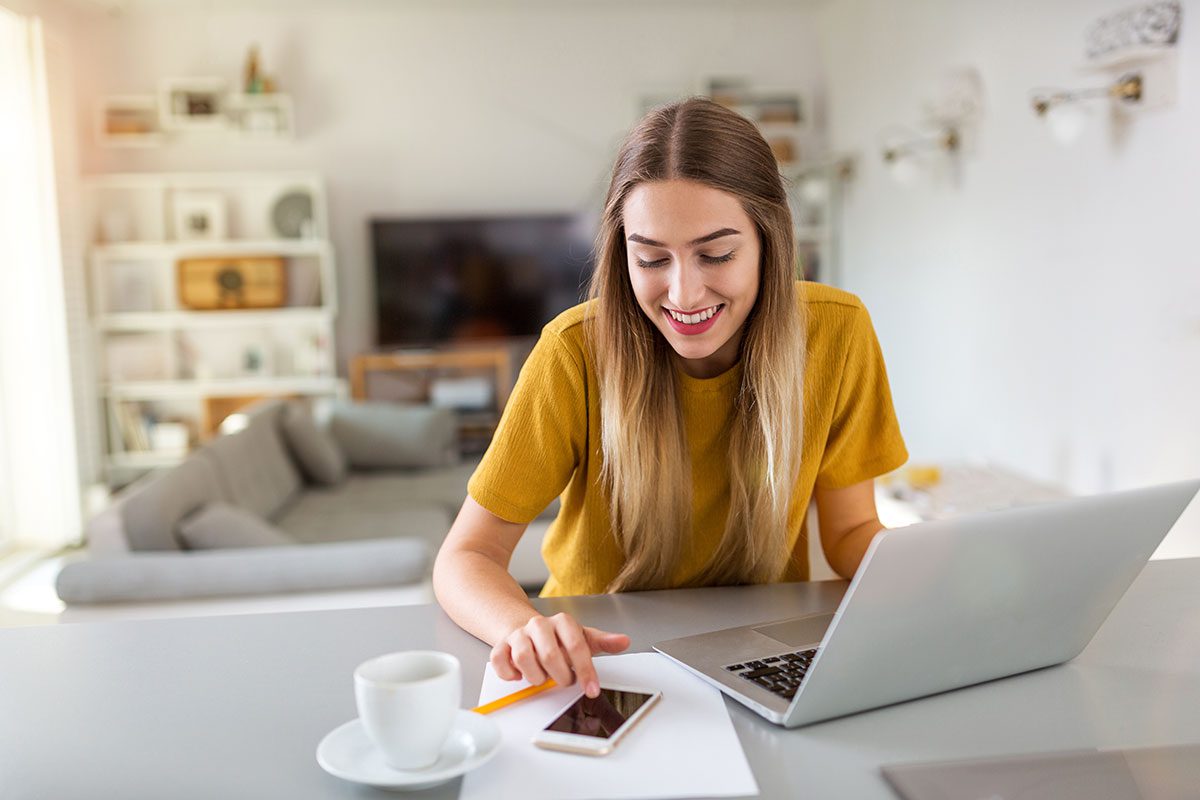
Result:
[[347, 753]]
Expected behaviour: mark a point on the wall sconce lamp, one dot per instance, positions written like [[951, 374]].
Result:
[[904, 159], [947, 141], [1063, 110], [947, 130]]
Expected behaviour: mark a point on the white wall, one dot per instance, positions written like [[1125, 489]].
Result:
[[1045, 312]]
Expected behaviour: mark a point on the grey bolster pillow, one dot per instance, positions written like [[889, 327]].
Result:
[[268, 570]]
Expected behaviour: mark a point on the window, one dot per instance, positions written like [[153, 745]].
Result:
[[39, 476]]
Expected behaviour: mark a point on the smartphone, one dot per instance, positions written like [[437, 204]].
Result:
[[593, 726]]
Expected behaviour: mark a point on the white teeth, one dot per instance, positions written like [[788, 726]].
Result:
[[693, 319]]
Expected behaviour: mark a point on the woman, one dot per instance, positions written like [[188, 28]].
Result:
[[686, 414]]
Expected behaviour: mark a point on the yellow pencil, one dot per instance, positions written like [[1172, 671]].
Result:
[[507, 700]]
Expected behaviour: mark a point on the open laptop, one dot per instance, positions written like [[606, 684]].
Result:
[[945, 604]]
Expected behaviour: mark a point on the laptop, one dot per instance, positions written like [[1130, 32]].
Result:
[[945, 604]]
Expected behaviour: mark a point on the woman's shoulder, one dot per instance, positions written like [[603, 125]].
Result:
[[563, 339], [569, 324], [833, 318], [821, 298]]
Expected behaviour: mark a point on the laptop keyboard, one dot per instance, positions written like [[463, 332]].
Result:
[[779, 674]]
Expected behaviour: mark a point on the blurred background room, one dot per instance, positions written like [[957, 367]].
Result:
[[368, 208]]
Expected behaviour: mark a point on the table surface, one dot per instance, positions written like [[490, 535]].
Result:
[[235, 706]]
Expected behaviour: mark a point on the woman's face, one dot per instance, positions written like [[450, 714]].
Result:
[[694, 263]]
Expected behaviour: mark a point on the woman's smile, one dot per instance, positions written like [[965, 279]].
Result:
[[694, 322]]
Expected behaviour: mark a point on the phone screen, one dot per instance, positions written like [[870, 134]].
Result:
[[599, 716]]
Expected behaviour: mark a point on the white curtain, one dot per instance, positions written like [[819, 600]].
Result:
[[40, 503]]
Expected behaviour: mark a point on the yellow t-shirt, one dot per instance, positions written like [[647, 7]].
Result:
[[548, 442]]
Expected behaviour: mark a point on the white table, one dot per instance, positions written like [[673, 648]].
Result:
[[234, 706]]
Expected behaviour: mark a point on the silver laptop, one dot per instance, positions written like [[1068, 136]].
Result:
[[945, 604]]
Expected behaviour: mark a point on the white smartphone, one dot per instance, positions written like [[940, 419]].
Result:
[[593, 726]]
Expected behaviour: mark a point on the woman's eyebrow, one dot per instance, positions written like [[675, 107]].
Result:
[[634, 237]]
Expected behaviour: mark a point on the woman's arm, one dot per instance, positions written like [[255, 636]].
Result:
[[848, 521], [470, 574], [472, 584]]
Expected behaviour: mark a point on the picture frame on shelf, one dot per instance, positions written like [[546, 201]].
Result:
[[192, 104], [199, 217]]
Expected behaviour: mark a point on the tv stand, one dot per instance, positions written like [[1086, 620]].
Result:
[[495, 361]]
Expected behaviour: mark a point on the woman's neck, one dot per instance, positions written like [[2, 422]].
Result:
[[720, 362]]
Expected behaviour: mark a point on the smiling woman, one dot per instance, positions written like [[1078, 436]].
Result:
[[705, 285], [687, 414]]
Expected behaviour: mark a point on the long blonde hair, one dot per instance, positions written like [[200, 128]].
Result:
[[647, 470]]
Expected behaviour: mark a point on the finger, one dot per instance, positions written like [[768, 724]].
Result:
[[501, 659], [549, 652], [580, 655], [604, 641], [525, 658]]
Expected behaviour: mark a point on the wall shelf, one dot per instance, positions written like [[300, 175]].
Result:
[[142, 121], [154, 390], [218, 248], [169, 320]]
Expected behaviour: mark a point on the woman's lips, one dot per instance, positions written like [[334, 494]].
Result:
[[698, 328]]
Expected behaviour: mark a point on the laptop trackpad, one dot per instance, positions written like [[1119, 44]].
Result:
[[800, 631]]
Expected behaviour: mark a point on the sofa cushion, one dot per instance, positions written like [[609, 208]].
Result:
[[149, 510], [254, 466], [312, 521], [313, 449], [264, 570], [390, 436], [219, 525]]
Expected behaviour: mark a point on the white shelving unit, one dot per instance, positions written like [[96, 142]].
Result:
[[816, 199], [136, 120], [161, 366]]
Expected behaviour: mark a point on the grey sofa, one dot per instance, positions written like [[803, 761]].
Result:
[[375, 528]]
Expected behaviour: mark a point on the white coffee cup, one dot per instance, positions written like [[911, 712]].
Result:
[[407, 703]]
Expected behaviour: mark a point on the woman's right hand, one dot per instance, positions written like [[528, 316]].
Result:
[[555, 647]]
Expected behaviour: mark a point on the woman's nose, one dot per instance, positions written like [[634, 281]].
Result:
[[687, 288]]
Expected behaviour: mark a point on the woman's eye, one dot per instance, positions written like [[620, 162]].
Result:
[[652, 264], [717, 259]]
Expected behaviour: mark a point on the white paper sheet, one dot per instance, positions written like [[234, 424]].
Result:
[[685, 747]]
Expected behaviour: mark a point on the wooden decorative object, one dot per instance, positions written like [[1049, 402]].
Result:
[[223, 283]]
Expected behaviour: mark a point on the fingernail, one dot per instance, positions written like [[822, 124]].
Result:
[[593, 689]]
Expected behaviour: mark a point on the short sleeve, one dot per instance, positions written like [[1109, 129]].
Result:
[[541, 437], [864, 436]]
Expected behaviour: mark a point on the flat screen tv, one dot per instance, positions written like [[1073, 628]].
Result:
[[441, 281]]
